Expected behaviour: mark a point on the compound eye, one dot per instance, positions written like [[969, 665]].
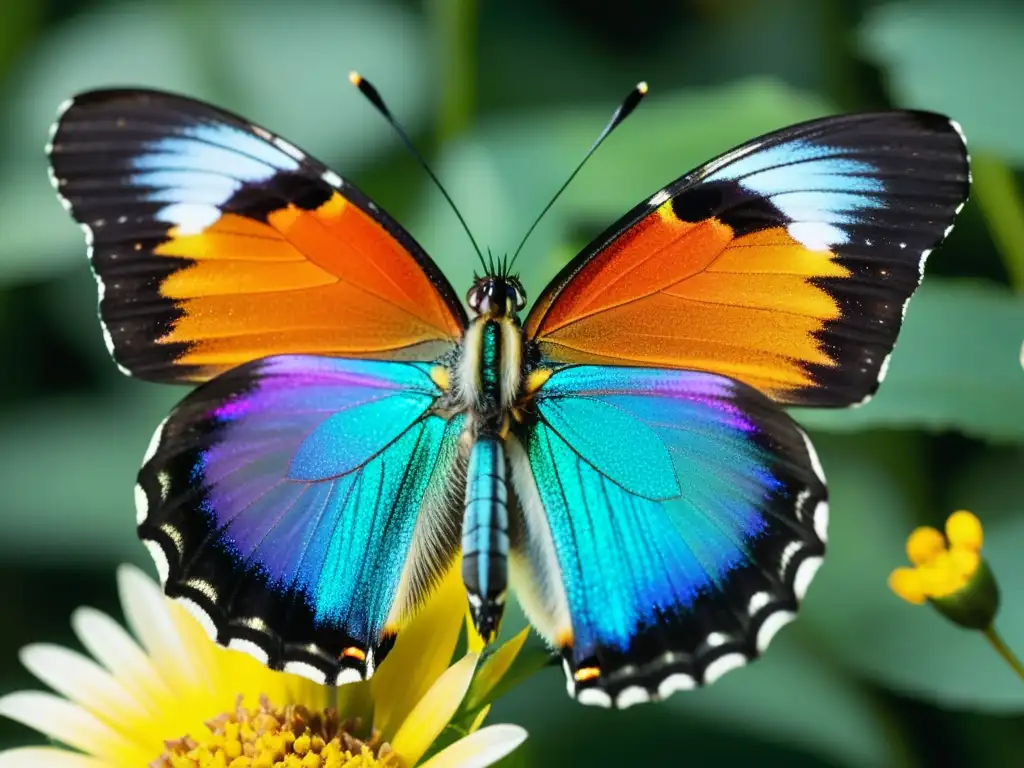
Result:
[[473, 299], [518, 297]]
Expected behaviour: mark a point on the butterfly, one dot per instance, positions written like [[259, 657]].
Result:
[[619, 456]]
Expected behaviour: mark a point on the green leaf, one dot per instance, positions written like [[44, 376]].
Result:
[[503, 174], [795, 696], [67, 469], [788, 704], [956, 367], [264, 61], [491, 671], [959, 58]]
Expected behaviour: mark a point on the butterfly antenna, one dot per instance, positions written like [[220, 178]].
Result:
[[373, 96], [621, 113]]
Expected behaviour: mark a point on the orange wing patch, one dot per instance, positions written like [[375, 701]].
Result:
[[327, 281], [671, 293]]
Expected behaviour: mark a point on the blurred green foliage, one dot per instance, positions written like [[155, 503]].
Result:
[[504, 98]]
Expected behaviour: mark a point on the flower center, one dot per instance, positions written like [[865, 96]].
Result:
[[290, 737]]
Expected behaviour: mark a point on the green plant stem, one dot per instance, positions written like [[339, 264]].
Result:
[[454, 25], [1003, 650], [1000, 200]]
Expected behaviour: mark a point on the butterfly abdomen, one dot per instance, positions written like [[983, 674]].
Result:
[[485, 540]]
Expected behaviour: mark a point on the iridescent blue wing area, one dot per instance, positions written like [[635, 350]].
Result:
[[299, 506], [669, 524]]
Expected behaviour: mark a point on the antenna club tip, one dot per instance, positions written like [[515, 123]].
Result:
[[641, 87], [355, 78]]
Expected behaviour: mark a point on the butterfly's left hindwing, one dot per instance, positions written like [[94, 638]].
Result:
[[215, 242], [302, 506], [671, 522]]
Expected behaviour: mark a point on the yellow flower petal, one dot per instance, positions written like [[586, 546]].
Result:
[[924, 544], [494, 668], [964, 531], [474, 640], [906, 583], [422, 652], [941, 577], [429, 717], [47, 757], [483, 748], [108, 642], [479, 719], [148, 617], [86, 683], [72, 725], [963, 563]]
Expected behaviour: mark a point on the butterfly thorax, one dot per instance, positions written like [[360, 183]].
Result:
[[490, 364]]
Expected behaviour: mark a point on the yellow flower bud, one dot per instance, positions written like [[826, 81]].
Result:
[[949, 572]]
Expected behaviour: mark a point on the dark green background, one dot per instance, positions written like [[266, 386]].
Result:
[[504, 98]]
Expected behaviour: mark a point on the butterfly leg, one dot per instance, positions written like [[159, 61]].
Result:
[[485, 539]]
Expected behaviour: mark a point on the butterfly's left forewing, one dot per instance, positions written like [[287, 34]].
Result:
[[670, 522], [301, 507], [215, 242]]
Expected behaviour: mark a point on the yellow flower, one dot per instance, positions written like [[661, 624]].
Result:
[[949, 572], [169, 698]]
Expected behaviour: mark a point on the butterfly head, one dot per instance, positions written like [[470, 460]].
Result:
[[496, 296]]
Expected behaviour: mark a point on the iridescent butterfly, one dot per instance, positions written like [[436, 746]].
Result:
[[621, 459]]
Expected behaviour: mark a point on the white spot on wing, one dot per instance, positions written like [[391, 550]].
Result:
[[716, 639], [724, 664], [307, 671], [758, 601], [154, 442], [634, 694], [348, 675], [660, 198], [594, 697], [771, 626], [163, 568], [289, 149], [141, 505], [821, 520], [250, 648], [675, 682], [805, 575], [332, 178], [204, 619], [817, 235], [189, 219], [813, 456]]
